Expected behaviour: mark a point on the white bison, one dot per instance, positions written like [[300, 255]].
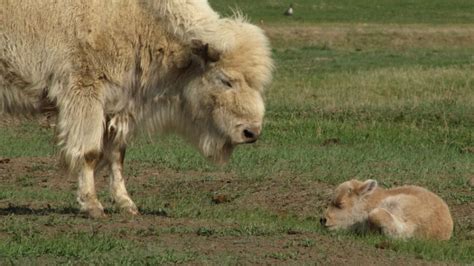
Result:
[[402, 212], [111, 68]]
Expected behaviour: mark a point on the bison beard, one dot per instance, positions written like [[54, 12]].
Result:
[[215, 149], [113, 68]]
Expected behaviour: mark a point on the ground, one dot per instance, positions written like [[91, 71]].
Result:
[[360, 91], [201, 240]]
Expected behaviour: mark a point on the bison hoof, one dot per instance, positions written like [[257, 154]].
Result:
[[132, 210], [95, 213]]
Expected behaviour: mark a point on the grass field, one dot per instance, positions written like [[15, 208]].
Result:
[[362, 89]]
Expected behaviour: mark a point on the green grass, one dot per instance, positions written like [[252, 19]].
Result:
[[26, 140], [347, 11], [401, 114], [27, 243]]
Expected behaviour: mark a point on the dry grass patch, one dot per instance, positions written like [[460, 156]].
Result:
[[385, 87], [372, 36]]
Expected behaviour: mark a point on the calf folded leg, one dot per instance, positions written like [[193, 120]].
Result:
[[390, 224]]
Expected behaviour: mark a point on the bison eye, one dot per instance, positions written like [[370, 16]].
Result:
[[226, 82]]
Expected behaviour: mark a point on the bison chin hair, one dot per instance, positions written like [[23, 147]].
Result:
[[215, 147], [167, 116]]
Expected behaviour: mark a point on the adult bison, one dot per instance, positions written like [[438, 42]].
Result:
[[111, 68]]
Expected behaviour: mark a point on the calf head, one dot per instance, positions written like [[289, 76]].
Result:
[[223, 99], [348, 204]]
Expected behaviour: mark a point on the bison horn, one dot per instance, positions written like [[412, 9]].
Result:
[[202, 50]]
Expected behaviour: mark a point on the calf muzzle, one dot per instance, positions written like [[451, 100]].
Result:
[[323, 221]]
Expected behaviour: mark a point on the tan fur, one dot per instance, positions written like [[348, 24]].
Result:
[[110, 68], [403, 212]]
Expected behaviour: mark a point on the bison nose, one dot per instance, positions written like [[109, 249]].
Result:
[[323, 221], [251, 134]]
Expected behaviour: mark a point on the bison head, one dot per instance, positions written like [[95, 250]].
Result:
[[223, 98]]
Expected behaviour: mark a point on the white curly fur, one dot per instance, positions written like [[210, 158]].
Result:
[[112, 68]]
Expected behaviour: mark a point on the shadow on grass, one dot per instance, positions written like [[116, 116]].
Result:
[[23, 210], [159, 212]]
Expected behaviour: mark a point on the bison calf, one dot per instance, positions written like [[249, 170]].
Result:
[[402, 212]]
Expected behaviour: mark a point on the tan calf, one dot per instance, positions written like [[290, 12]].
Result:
[[402, 212]]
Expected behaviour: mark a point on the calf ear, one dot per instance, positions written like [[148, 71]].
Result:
[[204, 52], [367, 187]]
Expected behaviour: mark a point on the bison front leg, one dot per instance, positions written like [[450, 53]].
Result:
[[80, 129], [117, 182], [86, 194], [118, 128]]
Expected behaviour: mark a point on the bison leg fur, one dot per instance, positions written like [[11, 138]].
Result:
[[86, 195], [117, 182], [80, 128]]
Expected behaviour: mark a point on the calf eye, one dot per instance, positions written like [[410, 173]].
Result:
[[226, 82], [337, 204]]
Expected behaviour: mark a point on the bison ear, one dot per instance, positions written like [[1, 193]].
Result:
[[204, 51], [367, 187]]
